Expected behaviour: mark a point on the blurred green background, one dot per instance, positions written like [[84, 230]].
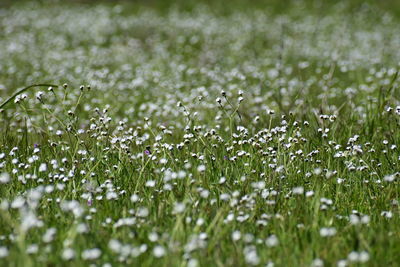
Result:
[[226, 7]]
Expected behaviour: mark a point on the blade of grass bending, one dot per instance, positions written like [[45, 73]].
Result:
[[23, 90]]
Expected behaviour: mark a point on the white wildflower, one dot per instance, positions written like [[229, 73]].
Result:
[[158, 251], [327, 231], [298, 190], [272, 241], [68, 254], [179, 208], [43, 167], [91, 254], [49, 235], [3, 252], [201, 168], [236, 235], [4, 178]]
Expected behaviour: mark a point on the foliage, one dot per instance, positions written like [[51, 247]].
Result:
[[194, 134]]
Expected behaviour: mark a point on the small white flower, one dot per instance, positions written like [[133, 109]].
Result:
[[4, 178], [114, 245], [3, 252], [193, 263], [317, 263], [68, 254], [342, 263], [43, 167], [82, 228], [363, 256], [179, 208], [309, 193], [250, 256], [134, 198], [17, 203], [150, 183], [111, 195], [365, 219], [29, 220], [201, 168], [272, 241], [317, 171], [32, 249], [298, 190], [236, 235], [158, 251], [387, 214], [200, 222], [353, 256], [91, 254], [204, 193], [327, 231], [49, 235], [143, 212], [389, 178], [354, 219], [153, 237], [340, 180]]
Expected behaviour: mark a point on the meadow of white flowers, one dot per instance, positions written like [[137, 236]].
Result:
[[193, 138]]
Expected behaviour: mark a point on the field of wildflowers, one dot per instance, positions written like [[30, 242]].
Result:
[[200, 134]]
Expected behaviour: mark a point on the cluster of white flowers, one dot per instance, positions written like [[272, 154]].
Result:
[[198, 135]]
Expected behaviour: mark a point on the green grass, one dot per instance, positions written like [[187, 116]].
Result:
[[204, 134]]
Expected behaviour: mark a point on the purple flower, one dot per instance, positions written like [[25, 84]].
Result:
[[35, 145], [147, 152]]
